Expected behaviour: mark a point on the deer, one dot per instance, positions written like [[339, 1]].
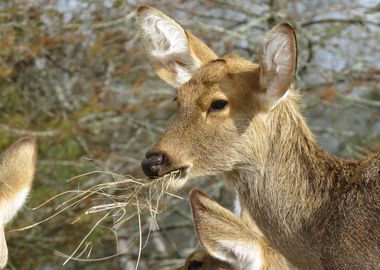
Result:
[[17, 169], [228, 242], [242, 119]]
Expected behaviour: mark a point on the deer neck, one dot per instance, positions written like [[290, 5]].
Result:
[[282, 159], [285, 182]]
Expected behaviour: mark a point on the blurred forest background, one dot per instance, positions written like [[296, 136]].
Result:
[[73, 74]]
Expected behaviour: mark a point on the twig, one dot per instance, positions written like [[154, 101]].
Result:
[[101, 25], [360, 101], [23, 132], [345, 21]]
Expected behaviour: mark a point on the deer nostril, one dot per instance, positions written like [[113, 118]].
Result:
[[152, 162], [155, 158]]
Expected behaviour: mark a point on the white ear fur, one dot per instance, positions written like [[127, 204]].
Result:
[[3, 249], [237, 206], [238, 254], [10, 207], [167, 45], [278, 60]]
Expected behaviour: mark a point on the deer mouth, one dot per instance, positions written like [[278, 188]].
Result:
[[177, 173], [175, 179]]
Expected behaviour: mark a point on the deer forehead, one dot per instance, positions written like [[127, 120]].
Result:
[[227, 77]]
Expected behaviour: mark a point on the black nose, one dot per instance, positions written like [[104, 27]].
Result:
[[153, 162]]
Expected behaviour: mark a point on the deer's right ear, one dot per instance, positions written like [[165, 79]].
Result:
[[224, 235], [173, 52]]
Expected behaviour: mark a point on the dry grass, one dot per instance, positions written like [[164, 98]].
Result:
[[122, 200]]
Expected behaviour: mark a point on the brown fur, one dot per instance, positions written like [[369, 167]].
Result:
[[319, 211]]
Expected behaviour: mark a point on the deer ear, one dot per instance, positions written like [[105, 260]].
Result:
[[18, 163], [224, 235], [278, 62], [3, 249], [17, 168], [173, 52]]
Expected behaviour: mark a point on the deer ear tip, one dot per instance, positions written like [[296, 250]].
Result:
[[196, 196], [143, 9], [29, 144], [193, 197], [195, 193], [287, 26], [28, 141], [196, 203]]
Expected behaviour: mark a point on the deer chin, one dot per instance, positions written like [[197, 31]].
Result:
[[176, 184]]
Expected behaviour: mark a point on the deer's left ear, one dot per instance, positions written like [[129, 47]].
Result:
[[278, 62], [174, 53]]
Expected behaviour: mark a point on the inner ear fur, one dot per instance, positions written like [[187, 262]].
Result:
[[278, 61], [174, 53]]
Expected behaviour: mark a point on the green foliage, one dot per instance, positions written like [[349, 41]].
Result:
[[6, 139]]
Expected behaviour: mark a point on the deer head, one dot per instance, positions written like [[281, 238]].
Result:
[[17, 168], [223, 103]]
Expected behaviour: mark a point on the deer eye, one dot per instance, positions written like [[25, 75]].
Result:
[[194, 264], [218, 105]]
